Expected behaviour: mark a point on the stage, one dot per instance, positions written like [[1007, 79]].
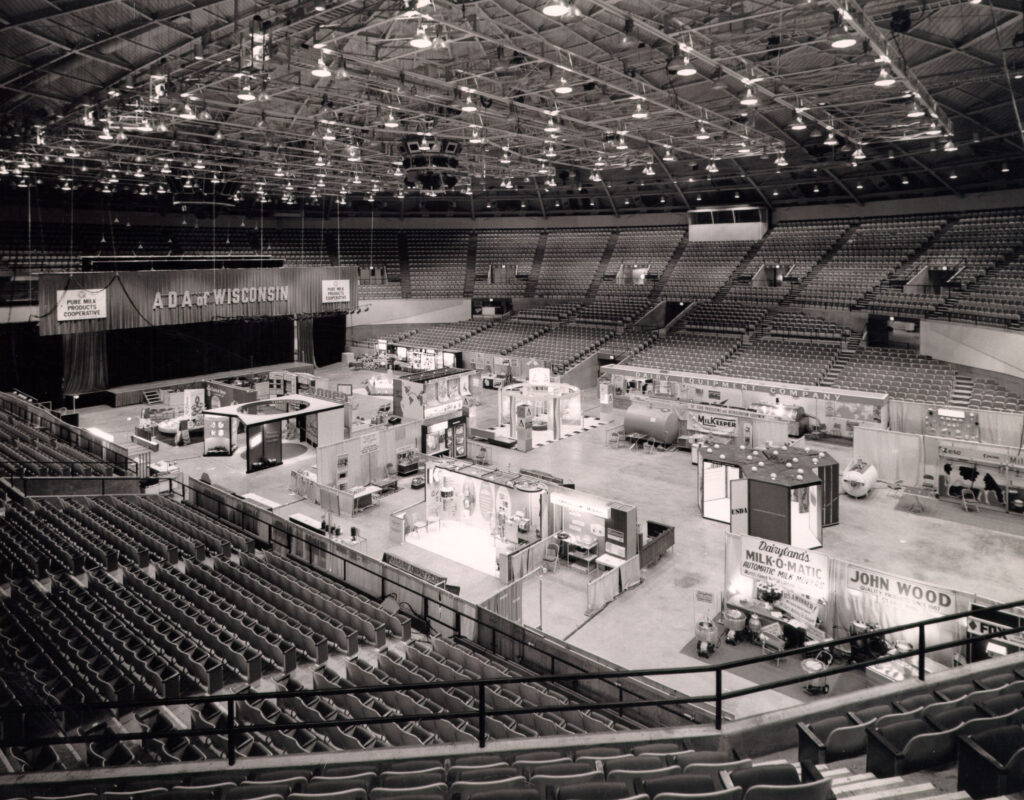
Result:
[[134, 394]]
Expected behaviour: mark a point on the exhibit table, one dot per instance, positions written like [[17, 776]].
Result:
[[364, 496], [608, 561], [581, 550], [904, 669]]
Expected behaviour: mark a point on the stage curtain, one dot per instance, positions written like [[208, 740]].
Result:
[[1001, 427], [304, 345], [29, 362], [329, 333], [896, 456], [85, 362]]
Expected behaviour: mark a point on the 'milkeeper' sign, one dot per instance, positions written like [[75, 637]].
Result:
[[76, 304]]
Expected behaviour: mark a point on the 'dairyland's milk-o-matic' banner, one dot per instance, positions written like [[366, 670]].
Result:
[[100, 301]]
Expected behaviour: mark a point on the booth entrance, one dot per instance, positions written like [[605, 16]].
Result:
[[715, 480]]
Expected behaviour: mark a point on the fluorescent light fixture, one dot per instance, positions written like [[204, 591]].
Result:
[[884, 79]]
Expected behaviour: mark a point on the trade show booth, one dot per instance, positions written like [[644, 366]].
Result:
[[970, 473], [539, 411], [262, 422], [505, 524], [837, 412], [783, 493], [438, 399]]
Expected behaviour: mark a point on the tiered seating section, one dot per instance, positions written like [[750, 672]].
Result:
[[687, 351], [571, 261], [973, 727], [616, 304], [437, 262], [650, 248], [376, 255], [28, 451], [296, 247], [785, 360], [902, 374], [553, 312], [507, 257], [564, 346], [503, 336], [793, 324], [440, 336], [875, 249], [797, 247], [703, 269], [725, 317], [995, 298], [147, 599]]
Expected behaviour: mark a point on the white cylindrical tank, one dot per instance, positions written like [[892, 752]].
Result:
[[859, 478], [657, 424]]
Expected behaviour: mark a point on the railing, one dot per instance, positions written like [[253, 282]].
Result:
[[478, 689]]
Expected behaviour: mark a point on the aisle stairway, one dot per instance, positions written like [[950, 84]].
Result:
[[826, 259], [538, 261], [470, 265], [602, 264], [403, 264], [670, 267], [741, 267], [851, 343], [963, 389]]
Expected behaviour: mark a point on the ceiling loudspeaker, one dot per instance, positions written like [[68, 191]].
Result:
[[415, 144], [433, 168]]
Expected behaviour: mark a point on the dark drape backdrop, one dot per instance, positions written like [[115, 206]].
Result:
[[304, 346], [153, 354], [85, 362], [30, 362], [329, 338]]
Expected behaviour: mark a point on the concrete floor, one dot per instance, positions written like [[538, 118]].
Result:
[[648, 626]]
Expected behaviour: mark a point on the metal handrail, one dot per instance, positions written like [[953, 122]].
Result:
[[480, 714]]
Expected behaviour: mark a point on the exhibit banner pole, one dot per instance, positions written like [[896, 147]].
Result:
[[540, 600]]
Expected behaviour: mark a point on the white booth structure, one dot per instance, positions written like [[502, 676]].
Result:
[[539, 411]]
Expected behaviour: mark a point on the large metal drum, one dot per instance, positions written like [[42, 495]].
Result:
[[656, 424]]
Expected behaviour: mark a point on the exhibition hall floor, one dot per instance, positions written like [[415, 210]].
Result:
[[649, 625]]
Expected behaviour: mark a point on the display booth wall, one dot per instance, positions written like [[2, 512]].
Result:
[[839, 410], [995, 427], [831, 594], [995, 473], [427, 399], [364, 458], [479, 502]]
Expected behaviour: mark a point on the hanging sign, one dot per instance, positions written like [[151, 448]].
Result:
[[77, 304], [707, 422], [335, 291], [900, 591], [792, 568]]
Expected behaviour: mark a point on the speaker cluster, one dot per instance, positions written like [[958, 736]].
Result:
[[430, 164]]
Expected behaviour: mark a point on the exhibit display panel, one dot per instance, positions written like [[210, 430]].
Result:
[[839, 411]]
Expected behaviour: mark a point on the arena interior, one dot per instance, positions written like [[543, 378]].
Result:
[[511, 399]]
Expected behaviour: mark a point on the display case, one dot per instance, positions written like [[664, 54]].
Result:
[[408, 464]]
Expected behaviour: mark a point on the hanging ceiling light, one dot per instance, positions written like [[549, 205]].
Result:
[[831, 139], [949, 146], [187, 112], [798, 123], [858, 154], [1005, 167], [106, 135], [781, 161], [749, 98], [712, 167], [321, 70], [915, 112], [556, 8], [884, 78], [391, 122], [477, 137], [595, 177], [702, 133], [844, 38], [245, 94], [684, 67], [640, 112], [563, 86], [421, 41], [620, 143], [329, 135], [648, 170], [669, 156]]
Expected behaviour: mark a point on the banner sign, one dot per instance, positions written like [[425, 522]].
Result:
[[978, 453], [369, 443], [900, 591], [711, 423], [980, 627], [577, 503], [79, 304], [335, 292], [791, 568], [84, 302]]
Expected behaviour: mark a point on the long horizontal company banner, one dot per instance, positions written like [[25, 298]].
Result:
[[100, 301]]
